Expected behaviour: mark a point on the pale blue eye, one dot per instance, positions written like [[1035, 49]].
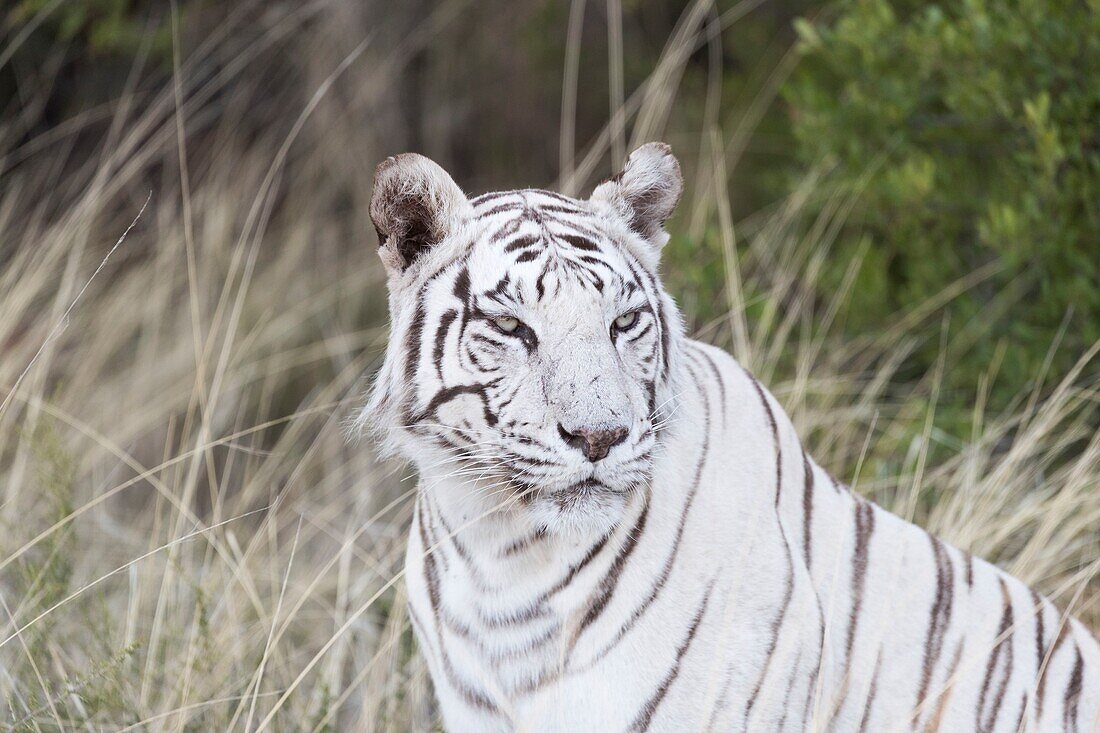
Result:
[[506, 323]]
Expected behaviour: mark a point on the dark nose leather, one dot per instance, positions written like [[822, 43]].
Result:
[[594, 443]]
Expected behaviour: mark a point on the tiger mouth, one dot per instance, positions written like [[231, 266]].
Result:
[[573, 492], [582, 492], [528, 489], [587, 485]]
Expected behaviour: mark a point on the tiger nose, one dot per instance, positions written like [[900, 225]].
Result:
[[595, 443]]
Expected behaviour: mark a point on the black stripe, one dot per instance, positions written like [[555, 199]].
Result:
[[654, 294], [939, 616], [508, 229], [573, 226], [500, 208], [608, 583], [791, 679], [573, 570], [425, 515], [642, 333], [865, 527], [559, 209], [463, 554], [540, 285], [485, 198], [649, 709], [788, 592], [517, 617], [870, 695], [449, 393], [498, 656], [1072, 698], [987, 721], [717, 378], [462, 285], [488, 342], [527, 240], [441, 339], [665, 338], [469, 693], [579, 242], [1040, 641], [412, 355], [523, 543], [775, 434]]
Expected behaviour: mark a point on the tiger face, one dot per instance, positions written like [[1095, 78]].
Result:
[[531, 338]]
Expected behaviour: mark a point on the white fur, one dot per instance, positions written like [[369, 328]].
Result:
[[730, 606]]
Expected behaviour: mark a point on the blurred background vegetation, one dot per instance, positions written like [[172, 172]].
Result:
[[891, 218], [960, 140]]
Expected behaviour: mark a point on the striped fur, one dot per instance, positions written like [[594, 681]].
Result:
[[706, 574]]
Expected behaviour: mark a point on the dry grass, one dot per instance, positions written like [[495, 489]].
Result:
[[188, 541]]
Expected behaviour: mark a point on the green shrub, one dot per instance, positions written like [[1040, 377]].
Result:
[[970, 132]]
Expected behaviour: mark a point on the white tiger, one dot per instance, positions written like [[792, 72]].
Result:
[[617, 528]]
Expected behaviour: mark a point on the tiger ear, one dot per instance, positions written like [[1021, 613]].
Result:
[[414, 207], [645, 191]]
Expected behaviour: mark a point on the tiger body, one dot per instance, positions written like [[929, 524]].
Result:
[[685, 566]]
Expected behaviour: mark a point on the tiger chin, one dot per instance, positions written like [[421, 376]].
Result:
[[617, 528]]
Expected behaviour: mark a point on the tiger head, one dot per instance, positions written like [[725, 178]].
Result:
[[532, 344]]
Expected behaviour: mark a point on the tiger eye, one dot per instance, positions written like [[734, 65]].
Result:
[[626, 320], [507, 324]]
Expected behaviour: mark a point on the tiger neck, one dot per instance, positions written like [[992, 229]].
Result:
[[496, 539]]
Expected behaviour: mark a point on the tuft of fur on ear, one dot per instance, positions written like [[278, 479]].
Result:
[[415, 205], [645, 191]]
